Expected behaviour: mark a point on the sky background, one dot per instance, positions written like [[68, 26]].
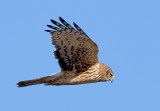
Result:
[[126, 31]]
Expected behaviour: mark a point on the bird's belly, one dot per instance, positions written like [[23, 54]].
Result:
[[81, 79]]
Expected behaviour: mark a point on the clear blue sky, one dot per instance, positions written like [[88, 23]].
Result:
[[126, 31]]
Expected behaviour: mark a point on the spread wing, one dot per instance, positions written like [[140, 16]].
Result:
[[75, 51]]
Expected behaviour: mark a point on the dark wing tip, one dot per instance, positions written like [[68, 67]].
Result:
[[78, 28], [65, 23], [53, 21], [61, 19], [47, 30], [49, 26], [75, 24]]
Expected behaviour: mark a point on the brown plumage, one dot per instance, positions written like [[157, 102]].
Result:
[[77, 56]]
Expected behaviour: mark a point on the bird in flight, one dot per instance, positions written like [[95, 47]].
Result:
[[77, 56]]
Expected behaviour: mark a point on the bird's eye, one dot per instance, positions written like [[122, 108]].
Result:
[[111, 75]]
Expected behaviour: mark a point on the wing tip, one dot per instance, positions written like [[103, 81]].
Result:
[[61, 19], [49, 26], [47, 30], [53, 21], [75, 24]]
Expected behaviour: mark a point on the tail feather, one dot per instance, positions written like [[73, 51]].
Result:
[[46, 80], [28, 83]]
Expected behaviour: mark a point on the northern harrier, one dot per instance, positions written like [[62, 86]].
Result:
[[77, 56]]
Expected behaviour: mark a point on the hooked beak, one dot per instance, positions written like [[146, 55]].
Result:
[[112, 79]]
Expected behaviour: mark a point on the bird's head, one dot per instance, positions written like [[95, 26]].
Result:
[[108, 74]]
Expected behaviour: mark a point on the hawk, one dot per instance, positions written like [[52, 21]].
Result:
[[77, 56]]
